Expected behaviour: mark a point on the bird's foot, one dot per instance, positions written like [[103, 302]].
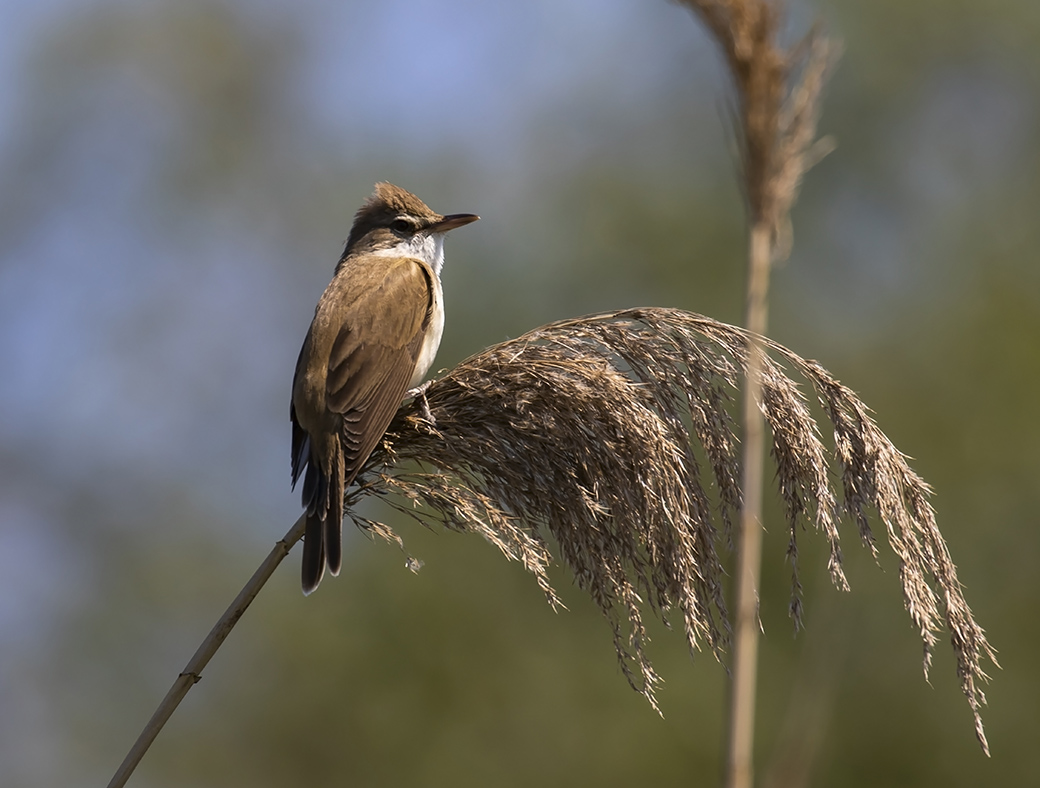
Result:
[[419, 395]]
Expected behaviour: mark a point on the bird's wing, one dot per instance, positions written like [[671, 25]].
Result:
[[374, 355]]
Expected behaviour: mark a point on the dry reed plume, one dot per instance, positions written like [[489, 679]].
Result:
[[606, 433], [779, 95]]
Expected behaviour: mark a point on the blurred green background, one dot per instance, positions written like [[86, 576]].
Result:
[[177, 179]]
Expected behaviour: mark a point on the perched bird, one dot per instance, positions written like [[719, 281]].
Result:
[[375, 333]]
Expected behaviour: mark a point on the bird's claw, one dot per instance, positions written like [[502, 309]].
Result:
[[419, 395]]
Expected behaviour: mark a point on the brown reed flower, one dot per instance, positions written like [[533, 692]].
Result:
[[606, 432]]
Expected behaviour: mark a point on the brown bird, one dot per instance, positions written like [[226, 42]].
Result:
[[374, 335]]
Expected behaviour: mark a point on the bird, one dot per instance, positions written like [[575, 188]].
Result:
[[375, 333]]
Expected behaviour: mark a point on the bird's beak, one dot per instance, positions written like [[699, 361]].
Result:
[[451, 222]]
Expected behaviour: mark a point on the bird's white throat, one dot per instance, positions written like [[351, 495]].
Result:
[[427, 247]]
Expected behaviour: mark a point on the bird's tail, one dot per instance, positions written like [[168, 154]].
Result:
[[323, 498], [313, 553], [333, 531]]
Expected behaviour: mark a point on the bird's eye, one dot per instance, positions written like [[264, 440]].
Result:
[[401, 226]]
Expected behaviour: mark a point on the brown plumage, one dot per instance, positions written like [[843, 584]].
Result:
[[375, 333]]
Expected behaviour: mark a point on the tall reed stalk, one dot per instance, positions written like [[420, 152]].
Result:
[[778, 96]]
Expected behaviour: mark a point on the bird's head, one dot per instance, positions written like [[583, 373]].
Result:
[[396, 223]]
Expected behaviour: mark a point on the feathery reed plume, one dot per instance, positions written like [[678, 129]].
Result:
[[778, 94], [585, 430]]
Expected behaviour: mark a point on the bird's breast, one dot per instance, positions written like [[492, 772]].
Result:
[[432, 340]]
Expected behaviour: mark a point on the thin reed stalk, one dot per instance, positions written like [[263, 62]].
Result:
[[741, 720], [192, 672], [777, 94]]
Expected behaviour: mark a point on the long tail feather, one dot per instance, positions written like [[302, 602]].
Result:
[[334, 516], [313, 554]]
